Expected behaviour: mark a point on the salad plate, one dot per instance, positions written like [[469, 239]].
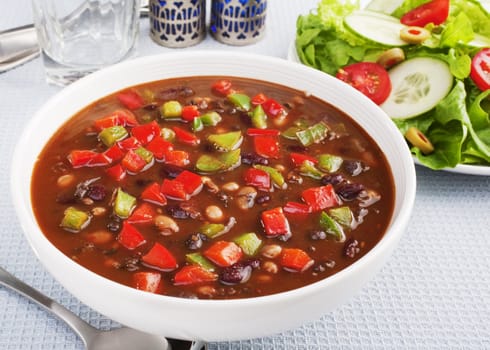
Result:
[[292, 55]]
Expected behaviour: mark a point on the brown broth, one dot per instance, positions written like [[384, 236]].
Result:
[[113, 261]]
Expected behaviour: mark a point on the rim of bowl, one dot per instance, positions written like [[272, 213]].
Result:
[[35, 236]]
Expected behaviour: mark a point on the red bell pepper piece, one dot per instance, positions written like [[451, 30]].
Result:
[[160, 148], [174, 190], [177, 157], [190, 112], [258, 99], [116, 172], [224, 253], [114, 153], [131, 99], [129, 144], [267, 146], [153, 194], [193, 274], [147, 281], [222, 87], [319, 198], [87, 158], [258, 178], [160, 258], [275, 223], [130, 237], [146, 132], [262, 132], [273, 109], [299, 158], [186, 136], [120, 117], [191, 181], [295, 208], [142, 214], [295, 260], [132, 162]]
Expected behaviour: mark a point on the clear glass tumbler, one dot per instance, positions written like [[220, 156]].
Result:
[[78, 37]]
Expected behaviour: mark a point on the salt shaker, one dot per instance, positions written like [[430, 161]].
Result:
[[177, 24], [238, 22]]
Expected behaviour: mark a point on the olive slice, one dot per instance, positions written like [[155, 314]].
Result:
[[414, 35], [391, 57], [419, 140]]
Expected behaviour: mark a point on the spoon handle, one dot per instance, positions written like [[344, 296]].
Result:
[[82, 328]]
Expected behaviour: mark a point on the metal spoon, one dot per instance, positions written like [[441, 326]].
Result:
[[121, 338]]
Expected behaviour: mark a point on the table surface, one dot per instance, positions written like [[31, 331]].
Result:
[[434, 292]]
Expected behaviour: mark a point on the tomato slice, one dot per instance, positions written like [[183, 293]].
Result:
[[369, 78], [435, 11], [480, 69]]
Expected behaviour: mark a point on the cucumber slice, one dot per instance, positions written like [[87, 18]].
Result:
[[376, 27], [418, 84], [385, 6], [479, 41]]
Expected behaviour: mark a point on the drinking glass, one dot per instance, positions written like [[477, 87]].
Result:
[[77, 37]]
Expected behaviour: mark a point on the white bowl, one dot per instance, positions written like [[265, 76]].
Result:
[[211, 320]]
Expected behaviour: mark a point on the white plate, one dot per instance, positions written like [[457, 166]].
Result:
[[460, 168]]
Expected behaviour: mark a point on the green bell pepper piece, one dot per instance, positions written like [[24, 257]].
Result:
[[329, 162], [144, 153], [314, 134], [307, 168], [343, 215], [199, 259], [249, 242], [275, 175], [75, 220], [171, 109], [240, 101], [231, 159], [226, 142], [331, 227], [168, 134], [197, 124], [259, 118], [124, 204], [224, 161], [209, 164], [212, 230], [211, 118], [109, 136]]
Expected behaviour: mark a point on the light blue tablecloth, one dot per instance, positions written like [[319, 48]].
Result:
[[434, 293]]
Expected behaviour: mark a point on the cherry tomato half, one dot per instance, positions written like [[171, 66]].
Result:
[[435, 11], [369, 78], [480, 69]]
